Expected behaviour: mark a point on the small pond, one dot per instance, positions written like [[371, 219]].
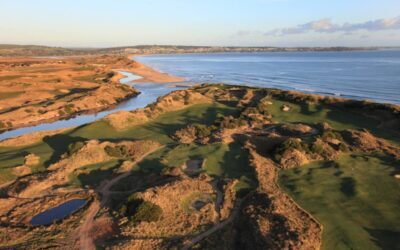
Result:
[[57, 213]]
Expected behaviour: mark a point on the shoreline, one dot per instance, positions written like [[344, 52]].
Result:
[[285, 80], [150, 74]]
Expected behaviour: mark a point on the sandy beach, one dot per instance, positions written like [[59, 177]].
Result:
[[151, 75]]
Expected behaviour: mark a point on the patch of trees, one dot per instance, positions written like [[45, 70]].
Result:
[[138, 210]]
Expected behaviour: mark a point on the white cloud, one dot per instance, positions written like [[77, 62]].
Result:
[[326, 26]]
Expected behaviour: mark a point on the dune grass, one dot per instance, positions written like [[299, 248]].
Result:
[[356, 199]]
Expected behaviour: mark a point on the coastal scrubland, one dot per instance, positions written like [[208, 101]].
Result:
[[37, 90], [212, 167]]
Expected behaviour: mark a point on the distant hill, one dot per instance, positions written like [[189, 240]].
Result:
[[36, 50]]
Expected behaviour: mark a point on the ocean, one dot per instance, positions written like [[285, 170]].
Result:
[[371, 75]]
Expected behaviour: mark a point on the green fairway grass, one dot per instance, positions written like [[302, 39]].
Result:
[[159, 129], [13, 157], [356, 198], [221, 160], [93, 174]]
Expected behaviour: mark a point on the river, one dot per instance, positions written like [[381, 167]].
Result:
[[149, 94]]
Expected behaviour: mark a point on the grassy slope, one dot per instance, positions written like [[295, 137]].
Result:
[[53, 147], [356, 199]]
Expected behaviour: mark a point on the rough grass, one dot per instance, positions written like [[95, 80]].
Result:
[[188, 203], [10, 77], [7, 95], [355, 198], [83, 68], [90, 78]]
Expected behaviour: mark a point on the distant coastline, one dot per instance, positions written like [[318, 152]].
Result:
[[8, 50]]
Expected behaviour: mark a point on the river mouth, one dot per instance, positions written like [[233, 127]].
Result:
[[58, 213]]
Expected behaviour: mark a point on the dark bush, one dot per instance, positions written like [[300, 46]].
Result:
[[343, 147], [228, 122], [69, 108], [317, 149], [148, 212], [176, 98], [110, 74], [61, 112], [331, 135], [290, 144], [137, 209], [250, 110], [116, 151], [202, 130]]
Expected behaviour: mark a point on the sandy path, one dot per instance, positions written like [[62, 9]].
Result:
[[86, 240], [219, 200]]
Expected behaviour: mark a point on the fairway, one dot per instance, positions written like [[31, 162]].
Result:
[[160, 129], [355, 198]]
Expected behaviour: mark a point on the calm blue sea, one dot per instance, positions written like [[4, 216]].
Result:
[[373, 75]]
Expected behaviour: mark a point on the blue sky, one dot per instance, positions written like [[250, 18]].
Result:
[[98, 23]]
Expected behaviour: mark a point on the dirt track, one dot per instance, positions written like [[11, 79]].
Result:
[[214, 228], [86, 240]]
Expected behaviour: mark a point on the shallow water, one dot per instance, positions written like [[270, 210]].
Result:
[[57, 213], [149, 94], [373, 75]]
